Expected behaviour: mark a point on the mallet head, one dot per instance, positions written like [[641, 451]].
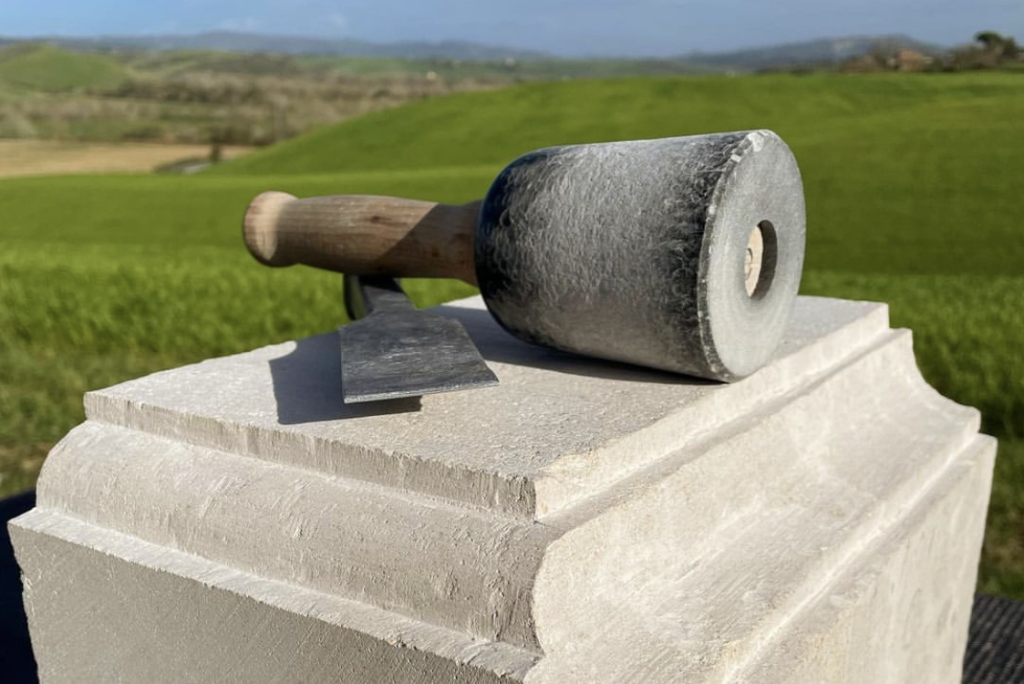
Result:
[[682, 254]]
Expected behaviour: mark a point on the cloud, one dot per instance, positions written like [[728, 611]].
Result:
[[337, 20]]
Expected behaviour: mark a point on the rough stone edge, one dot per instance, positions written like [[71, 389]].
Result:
[[170, 494], [980, 454], [505, 494], [965, 441], [497, 658], [577, 477]]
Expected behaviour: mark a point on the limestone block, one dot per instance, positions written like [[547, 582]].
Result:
[[233, 521]]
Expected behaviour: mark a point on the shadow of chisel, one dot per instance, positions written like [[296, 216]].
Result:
[[307, 387]]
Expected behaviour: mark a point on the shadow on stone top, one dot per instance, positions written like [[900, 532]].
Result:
[[307, 386], [307, 381]]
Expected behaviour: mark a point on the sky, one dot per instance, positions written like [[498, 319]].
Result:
[[565, 27]]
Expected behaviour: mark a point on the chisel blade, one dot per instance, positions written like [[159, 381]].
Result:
[[397, 351]]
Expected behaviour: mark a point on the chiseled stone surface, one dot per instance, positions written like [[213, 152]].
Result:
[[558, 428], [819, 521]]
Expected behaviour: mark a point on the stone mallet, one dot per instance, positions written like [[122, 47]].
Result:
[[682, 254]]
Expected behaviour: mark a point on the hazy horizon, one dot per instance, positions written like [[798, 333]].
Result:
[[571, 28]]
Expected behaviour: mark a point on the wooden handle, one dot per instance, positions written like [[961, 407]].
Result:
[[364, 235]]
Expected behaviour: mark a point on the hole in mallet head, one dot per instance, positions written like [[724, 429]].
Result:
[[759, 262]]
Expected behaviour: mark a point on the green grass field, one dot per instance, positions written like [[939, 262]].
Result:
[[911, 183], [50, 69]]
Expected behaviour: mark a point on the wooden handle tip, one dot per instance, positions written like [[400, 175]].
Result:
[[260, 229]]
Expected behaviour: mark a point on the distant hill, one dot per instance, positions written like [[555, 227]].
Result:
[[814, 52], [493, 127], [230, 41], [52, 69], [809, 53]]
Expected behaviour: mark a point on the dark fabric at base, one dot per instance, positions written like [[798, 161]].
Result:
[[17, 666], [995, 649]]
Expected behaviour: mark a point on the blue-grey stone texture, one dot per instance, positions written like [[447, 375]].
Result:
[[635, 251]]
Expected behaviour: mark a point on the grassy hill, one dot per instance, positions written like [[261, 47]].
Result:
[[911, 184], [51, 69], [492, 127]]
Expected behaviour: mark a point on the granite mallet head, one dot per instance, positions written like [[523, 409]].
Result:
[[682, 254]]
